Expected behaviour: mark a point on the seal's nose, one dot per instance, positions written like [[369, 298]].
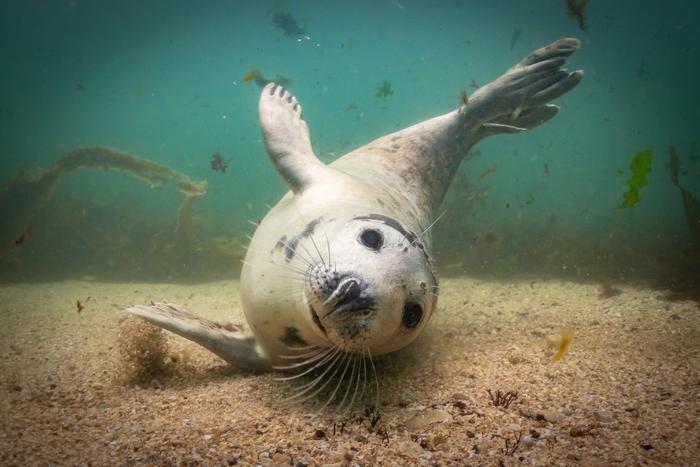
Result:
[[348, 289]]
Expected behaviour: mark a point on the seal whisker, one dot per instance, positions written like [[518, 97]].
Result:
[[264, 253], [303, 355], [324, 359], [376, 379], [315, 350], [347, 357], [364, 371], [280, 265], [328, 247], [298, 277], [431, 225], [303, 389], [349, 385], [294, 250], [290, 267], [359, 360], [339, 358], [320, 256], [309, 256]]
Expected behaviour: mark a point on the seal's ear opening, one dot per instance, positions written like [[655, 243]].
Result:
[[412, 314]]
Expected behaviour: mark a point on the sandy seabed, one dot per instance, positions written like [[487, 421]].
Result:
[[626, 393]]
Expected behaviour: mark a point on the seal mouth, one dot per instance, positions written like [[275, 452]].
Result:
[[347, 303], [316, 319], [343, 306], [360, 308]]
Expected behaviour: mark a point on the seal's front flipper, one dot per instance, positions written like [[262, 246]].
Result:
[[525, 90], [287, 139], [231, 345]]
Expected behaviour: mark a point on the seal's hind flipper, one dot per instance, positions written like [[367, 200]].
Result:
[[526, 120], [231, 345], [526, 88], [287, 139]]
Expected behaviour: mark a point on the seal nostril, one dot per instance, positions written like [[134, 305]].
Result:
[[348, 291]]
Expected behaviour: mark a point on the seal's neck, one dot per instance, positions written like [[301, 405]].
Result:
[[415, 166]]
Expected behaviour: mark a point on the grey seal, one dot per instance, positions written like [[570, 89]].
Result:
[[342, 267]]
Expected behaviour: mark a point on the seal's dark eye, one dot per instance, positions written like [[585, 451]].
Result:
[[412, 314], [372, 239]]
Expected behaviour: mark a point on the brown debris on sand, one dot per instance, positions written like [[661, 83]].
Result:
[[608, 291], [142, 352]]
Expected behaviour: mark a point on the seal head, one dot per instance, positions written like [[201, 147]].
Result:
[[376, 290]]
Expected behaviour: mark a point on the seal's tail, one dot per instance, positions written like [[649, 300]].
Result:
[[230, 344]]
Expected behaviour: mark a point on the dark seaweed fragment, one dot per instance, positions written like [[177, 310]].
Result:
[[577, 10], [287, 24], [384, 90]]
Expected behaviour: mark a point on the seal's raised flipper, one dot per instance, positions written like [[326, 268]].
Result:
[[526, 120], [287, 139], [529, 85], [233, 346]]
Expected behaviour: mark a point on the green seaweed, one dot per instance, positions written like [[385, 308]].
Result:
[[641, 168], [384, 90]]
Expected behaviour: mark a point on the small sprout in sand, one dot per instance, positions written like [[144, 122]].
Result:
[[341, 427], [372, 415], [383, 433], [142, 352], [502, 399], [561, 343], [512, 446]]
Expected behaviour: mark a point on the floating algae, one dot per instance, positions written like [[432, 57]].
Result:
[[577, 10], [384, 90], [286, 22], [561, 343], [254, 75], [640, 167], [27, 193]]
